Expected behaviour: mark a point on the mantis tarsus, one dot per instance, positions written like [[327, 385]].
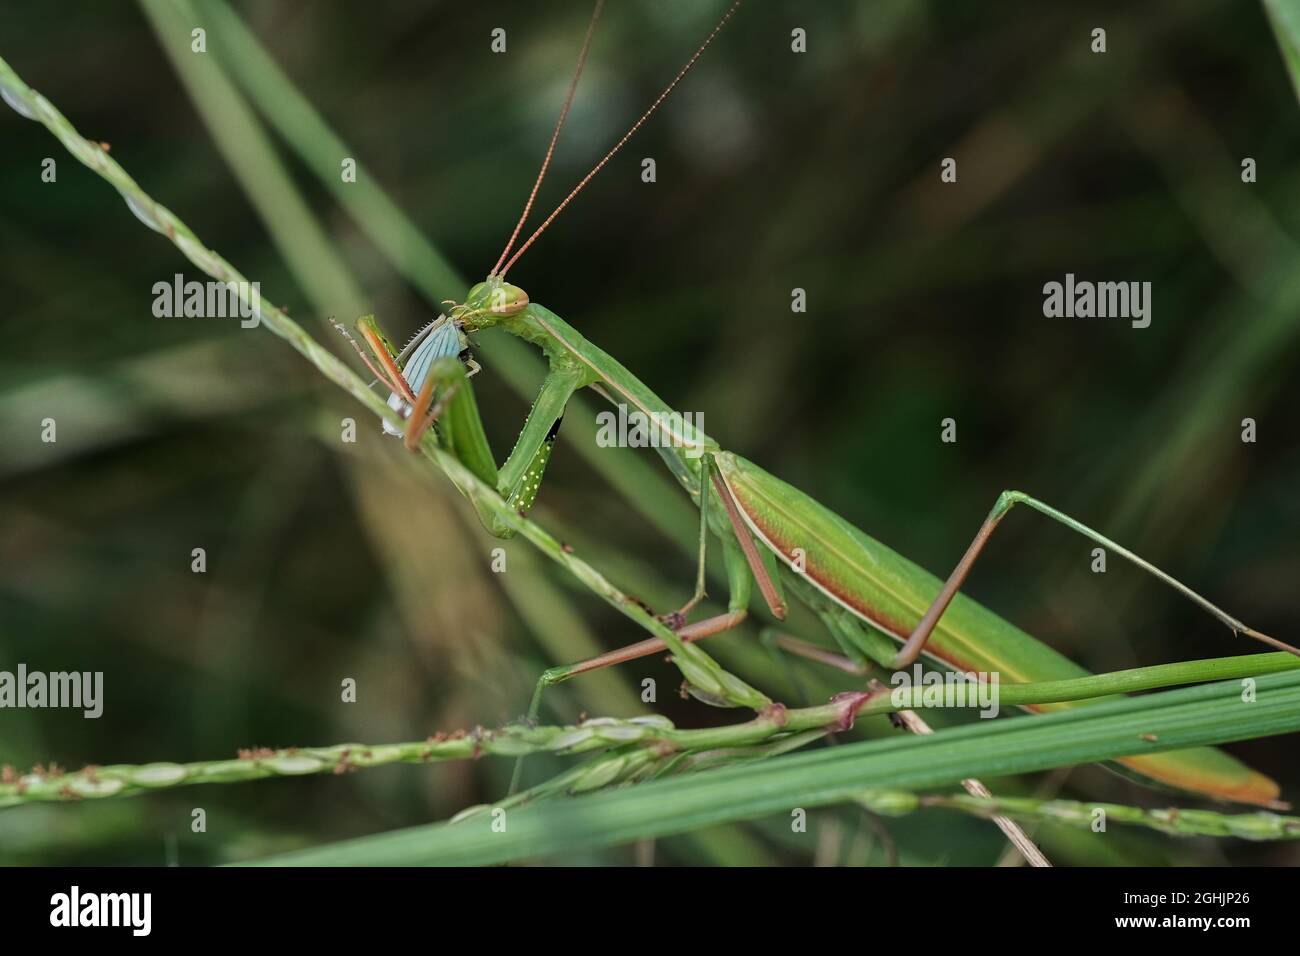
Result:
[[773, 536]]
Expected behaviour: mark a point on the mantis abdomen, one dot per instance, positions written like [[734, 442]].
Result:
[[852, 570]]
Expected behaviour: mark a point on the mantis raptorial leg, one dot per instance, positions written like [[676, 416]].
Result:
[[444, 372]]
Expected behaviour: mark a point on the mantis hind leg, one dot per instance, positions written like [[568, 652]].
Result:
[[1006, 501]]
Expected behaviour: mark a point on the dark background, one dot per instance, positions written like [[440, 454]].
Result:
[[775, 171]]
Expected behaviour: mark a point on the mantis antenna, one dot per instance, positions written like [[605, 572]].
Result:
[[500, 270], [555, 136]]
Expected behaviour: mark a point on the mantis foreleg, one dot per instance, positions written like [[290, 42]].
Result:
[[447, 398], [521, 474]]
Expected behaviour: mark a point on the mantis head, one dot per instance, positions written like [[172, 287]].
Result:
[[492, 300]]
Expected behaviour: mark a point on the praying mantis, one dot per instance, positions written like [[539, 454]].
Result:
[[774, 538]]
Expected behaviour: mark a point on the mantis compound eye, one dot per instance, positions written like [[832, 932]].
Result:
[[507, 299], [497, 298]]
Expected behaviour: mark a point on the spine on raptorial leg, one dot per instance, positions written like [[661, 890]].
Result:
[[522, 473], [838, 563], [521, 496]]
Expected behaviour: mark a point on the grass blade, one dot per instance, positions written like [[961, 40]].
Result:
[[1209, 714]]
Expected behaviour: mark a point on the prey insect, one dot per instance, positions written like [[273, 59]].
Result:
[[406, 373], [774, 538]]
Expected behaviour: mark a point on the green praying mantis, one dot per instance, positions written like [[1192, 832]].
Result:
[[774, 538]]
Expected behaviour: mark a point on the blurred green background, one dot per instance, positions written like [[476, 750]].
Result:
[[774, 171]]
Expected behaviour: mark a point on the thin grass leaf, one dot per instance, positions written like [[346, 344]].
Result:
[[772, 732], [1206, 715]]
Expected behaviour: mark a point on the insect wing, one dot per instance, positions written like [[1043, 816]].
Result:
[[442, 341]]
